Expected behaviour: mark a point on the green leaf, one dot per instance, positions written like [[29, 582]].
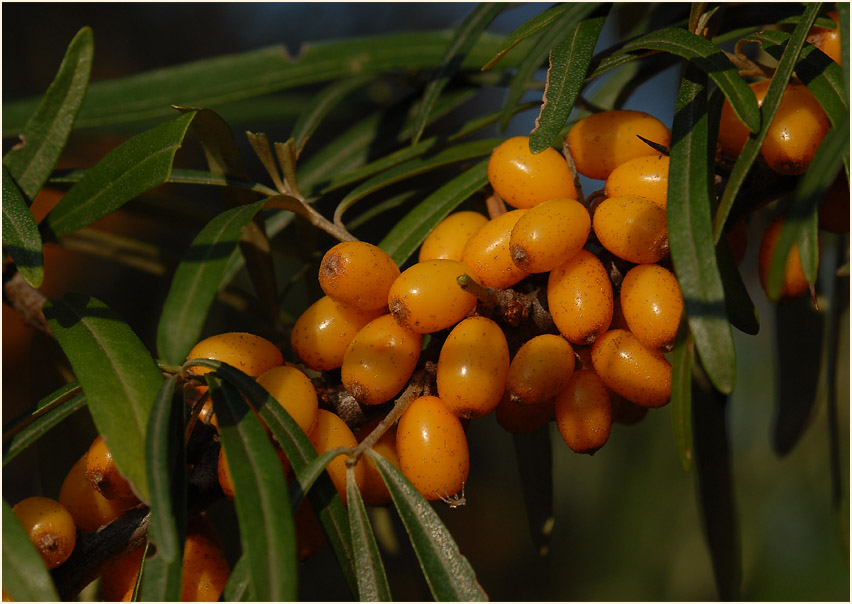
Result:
[[25, 577], [196, 281], [738, 303], [527, 29], [119, 377], [463, 40], [309, 474], [569, 61], [369, 569], [43, 138], [167, 482], [843, 16], [267, 532], [238, 587], [693, 250], [407, 234], [409, 169], [449, 574], [137, 165], [682, 359], [534, 454], [20, 233]]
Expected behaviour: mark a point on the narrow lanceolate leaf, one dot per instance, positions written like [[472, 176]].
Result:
[[238, 587], [369, 568], [137, 165], [24, 431], [25, 577], [20, 233], [693, 249], [407, 234], [741, 310], [267, 532], [31, 161], [463, 40], [448, 573], [161, 581], [534, 454], [569, 62], [682, 359], [118, 375], [196, 281]]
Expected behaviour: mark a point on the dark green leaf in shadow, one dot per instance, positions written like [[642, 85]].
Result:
[[20, 233], [715, 485], [137, 165], [462, 41], [682, 359], [167, 482], [834, 370], [118, 375], [740, 307], [843, 16], [238, 587], [448, 573], [25, 577], [369, 568], [569, 61], [693, 250], [308, 475], [196, 281], [527, 29], [267, 532], [43, 138], [534, 454], [409, 232]]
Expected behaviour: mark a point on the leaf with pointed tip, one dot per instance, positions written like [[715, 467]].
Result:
[[534, 454], [369, 568], [25, 577], [740, 307], [682, 359], [21, 237]]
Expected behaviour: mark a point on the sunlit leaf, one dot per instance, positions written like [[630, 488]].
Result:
[[21, 237]]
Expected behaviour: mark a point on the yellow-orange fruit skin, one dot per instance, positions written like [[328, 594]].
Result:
[[646, 176], [49, 526], [583, 412], [632, 370], [827, 40], [375, 491], [488, 253], [795, 283], [426, 297], [540, 368], [523, 179], [205, 570], [603, 141], [633, 228], [295, 392], [473, 367], [515, 418], [380, 360], [432, 448], [549, 235], [104, 475], [247, 352], [118, 577], [652, 304], [358, 274], [447, 240], [87, 506], [324, 330], [580, 298], [330, 433]]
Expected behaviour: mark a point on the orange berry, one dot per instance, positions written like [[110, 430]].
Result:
[[295, 392], [87, 506], [540, 368], [487, 252], [473, 367], [448, 238], [380, 360], [827, 40], [549, 235], [523, 419], [603, 141], [49, 526], [652, 304], [633, 228], [579, 295], [795, 282], [637, 373], [205, 570], [104, 475], [432, 448], [247, 352], [584, 412], [523, 179], [375, 491], [646, 176], [358, 274], [118, 576], [330, 433]]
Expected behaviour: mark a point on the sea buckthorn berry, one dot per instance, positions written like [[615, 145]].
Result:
[[322, 333], [732, 132], [426, 297], [579, 295], [358, 274], [646, 176], [523, 419], [87, 506], [380, 360], [834, 209], [549, 235], [118, 576], [636, 372], [374, 490], [523, 179], [827, 40], [540, 368], [295, 392], [104, 475], [205, 570], [633, 228], [625, 412], [473, 367], [447, 240], [247, 352], [330, 433], [652, 304], [603, 141], [432, 448], [49, 526], [584, 412], [795, 282], [487, 252]]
